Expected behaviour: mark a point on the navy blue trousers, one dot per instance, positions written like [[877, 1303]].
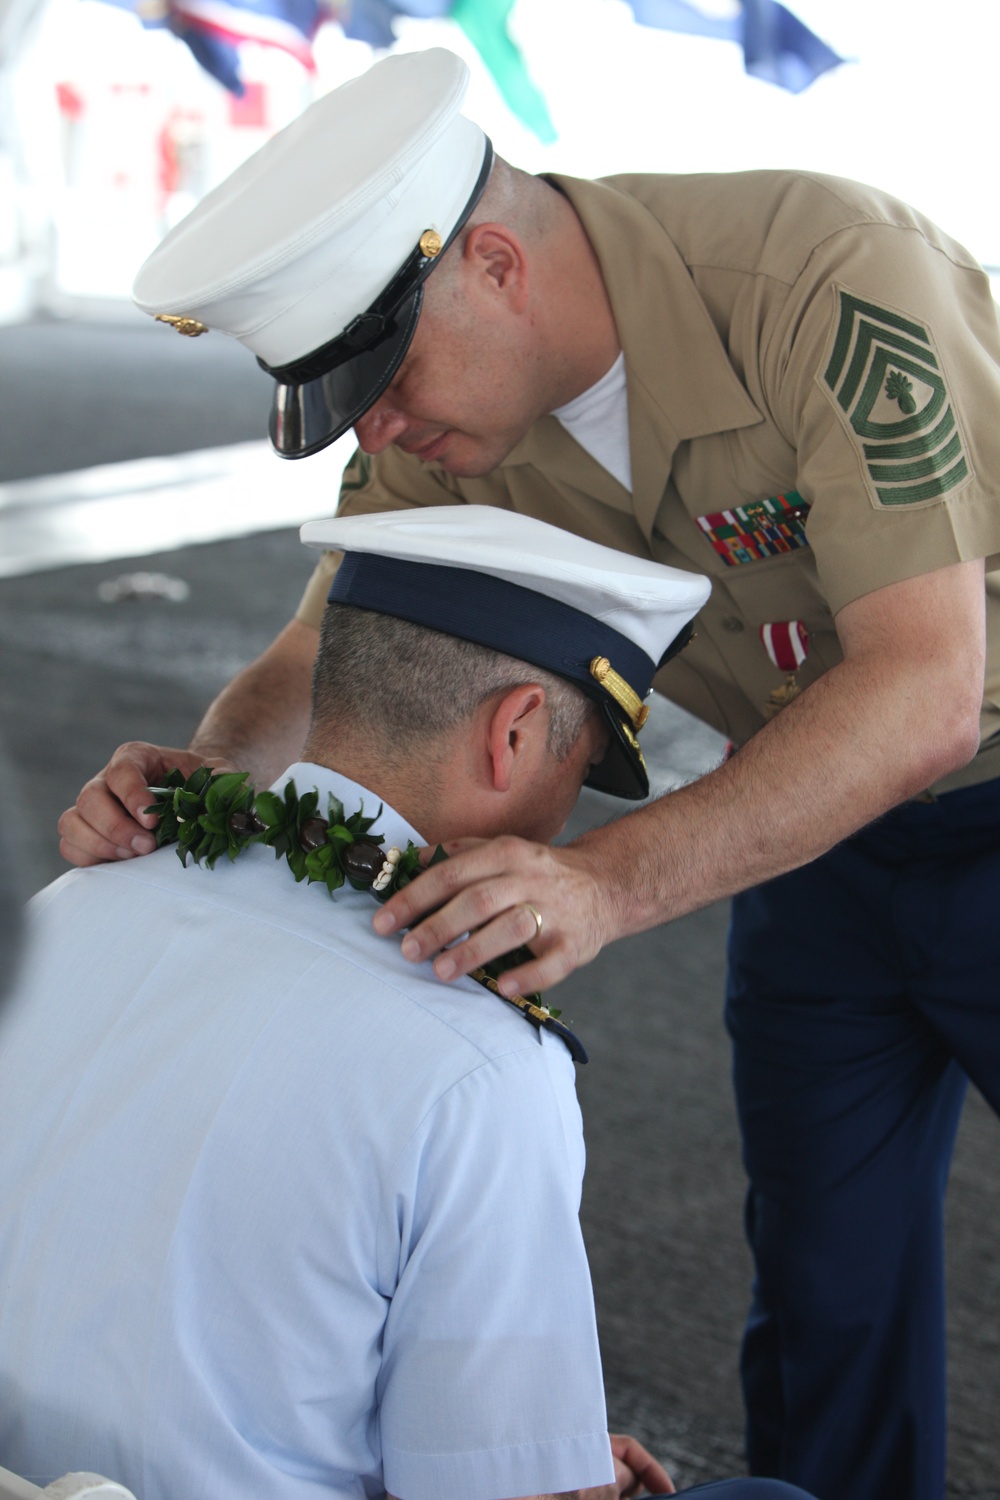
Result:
[[864, 990]]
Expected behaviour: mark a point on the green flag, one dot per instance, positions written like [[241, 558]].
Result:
[[485, 24]]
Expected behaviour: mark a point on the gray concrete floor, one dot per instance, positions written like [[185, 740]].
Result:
[[664, 1186], [75, 393]]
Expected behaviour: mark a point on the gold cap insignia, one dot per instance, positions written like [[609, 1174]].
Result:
[[635, 744], [189, 326], [625, 696], [430, 243]]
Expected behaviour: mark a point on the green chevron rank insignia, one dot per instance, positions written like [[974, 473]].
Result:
[[886, 379], [357, 473]]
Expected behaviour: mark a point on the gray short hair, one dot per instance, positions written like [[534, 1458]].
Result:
[[406, 682]]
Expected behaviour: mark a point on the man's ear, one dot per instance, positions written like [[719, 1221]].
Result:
[[518, 728], [496, 254]]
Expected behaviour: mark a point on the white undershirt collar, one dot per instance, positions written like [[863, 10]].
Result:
[[598, 420]]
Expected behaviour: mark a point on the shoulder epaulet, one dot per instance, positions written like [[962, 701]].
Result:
[[537, 1015]]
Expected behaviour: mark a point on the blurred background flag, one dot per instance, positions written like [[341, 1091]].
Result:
[[777, 46], [216, 55], [213, 29], [484, 23], [371, 21]]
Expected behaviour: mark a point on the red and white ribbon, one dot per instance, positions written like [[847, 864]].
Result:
[[786, 643]]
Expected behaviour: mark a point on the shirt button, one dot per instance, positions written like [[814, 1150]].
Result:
[[732, 623]]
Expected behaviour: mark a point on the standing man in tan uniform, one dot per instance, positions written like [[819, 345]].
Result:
[[788, 382]]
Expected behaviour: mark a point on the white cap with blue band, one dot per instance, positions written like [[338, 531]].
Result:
[[595, 616], [315, 251]]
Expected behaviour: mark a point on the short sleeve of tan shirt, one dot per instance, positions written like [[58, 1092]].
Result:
[[885, 377]]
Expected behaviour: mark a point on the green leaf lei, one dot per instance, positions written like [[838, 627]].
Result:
[[211, 813]]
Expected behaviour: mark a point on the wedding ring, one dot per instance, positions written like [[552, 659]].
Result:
[[527, 906]]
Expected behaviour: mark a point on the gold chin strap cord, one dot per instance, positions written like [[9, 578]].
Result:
[[188, 326], [625, 696]]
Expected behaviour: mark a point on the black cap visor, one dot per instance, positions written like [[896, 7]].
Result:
[[622, 771], [323, 394], [309, 416]]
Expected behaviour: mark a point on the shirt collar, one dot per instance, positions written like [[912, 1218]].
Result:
[[307, 775], [605, 391], [680, 382]]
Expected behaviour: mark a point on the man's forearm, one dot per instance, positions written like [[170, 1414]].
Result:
[[901, 710], [260, 720], [834, 760]]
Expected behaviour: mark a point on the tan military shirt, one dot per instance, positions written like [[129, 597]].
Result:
[[813, 376]]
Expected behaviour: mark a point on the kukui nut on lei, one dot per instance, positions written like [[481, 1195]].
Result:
[[211, 814]]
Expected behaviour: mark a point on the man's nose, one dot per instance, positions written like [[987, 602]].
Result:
[[380, 426]]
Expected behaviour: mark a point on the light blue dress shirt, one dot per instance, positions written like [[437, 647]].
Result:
[[283, 1216]]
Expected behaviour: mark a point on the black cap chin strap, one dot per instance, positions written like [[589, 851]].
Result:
[[374, 326]]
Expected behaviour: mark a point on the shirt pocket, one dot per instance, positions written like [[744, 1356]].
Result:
[[779, 588], [785, 588]]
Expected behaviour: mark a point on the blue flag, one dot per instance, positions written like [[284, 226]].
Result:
[[214, 53], [371, 20], [777, 46], [678, 15]]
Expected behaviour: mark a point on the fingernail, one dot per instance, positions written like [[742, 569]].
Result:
[[143, 844], [410, 948], [123, 854], [505, 987], [383, 921], [445, 967]]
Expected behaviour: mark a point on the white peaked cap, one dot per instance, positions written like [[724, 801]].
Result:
[[531, 590], [306, 235]]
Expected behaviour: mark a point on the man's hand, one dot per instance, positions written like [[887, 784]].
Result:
[[488, 888], [900, 710], [257, 723], [636, 1470], [108, 820]]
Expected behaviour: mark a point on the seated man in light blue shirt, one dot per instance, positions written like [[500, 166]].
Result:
[[285, 1217]]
